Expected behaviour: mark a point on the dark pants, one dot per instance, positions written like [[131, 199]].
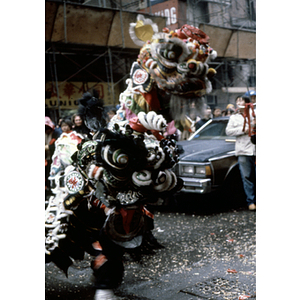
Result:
[[108, 266], [247, 168]]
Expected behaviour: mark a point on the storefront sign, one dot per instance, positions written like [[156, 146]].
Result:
[[168, 9], [71, 92], [170, 13]]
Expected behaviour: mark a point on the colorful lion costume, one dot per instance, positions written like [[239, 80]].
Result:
[[100, 199], [171, 69]]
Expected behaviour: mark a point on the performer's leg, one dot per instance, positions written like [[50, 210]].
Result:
[[107, 267], [148, 237]]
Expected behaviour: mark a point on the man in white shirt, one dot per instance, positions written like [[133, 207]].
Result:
[[245, 150]]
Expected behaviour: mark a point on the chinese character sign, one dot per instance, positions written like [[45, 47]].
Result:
[[70, 92]]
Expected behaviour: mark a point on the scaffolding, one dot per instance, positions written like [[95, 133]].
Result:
[[231, 24], [78, 49]]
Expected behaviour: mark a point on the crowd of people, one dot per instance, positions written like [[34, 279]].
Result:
[[245, 146], [209, 113], [68, 124], [197, 121]]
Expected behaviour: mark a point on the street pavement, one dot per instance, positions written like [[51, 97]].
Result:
[[206, 255]]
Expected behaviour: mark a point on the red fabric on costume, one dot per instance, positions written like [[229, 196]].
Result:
[[152, 100], [147, 213], [127, 218], [75, 137]]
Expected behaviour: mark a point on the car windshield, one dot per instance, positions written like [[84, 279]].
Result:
[[213, 130]]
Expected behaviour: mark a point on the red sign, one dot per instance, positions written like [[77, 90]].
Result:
[[168, 9]]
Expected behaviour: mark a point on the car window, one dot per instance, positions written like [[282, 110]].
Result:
[[214, 130]]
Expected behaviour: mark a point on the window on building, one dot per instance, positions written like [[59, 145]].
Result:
[[204, 12], [251, 10], [211, 100]]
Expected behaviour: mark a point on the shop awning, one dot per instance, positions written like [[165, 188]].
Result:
[[87, 25]]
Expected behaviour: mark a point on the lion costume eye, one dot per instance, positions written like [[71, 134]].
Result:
[[169, 54], [120, 158], [172, 53], [115, 158]]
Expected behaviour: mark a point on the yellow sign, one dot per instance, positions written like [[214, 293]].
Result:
[[71, 92]]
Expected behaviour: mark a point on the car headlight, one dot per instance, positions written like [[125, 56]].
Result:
[[200, 170], [188, 170], [195, 170]]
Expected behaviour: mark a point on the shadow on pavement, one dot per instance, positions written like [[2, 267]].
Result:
[[216, 202]]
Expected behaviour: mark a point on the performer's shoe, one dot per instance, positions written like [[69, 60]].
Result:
[[147, 249], [149, 238], [135, 254], [252, 206], [106, 294]]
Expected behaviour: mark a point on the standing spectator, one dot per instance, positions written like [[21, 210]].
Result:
[[245, 150], [58, 127], [65, 146], [66, 126], [207, 116], [252, 95], [230, 109], [217, 112], [228, 112], [231, 106], [79, 126]]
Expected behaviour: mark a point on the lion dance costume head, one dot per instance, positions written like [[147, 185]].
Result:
[[171, 69]]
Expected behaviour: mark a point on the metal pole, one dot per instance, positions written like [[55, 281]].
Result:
[[226, 79], [111, 75], [122, 30], [222, 14], [194, 8], [237, 44], [56, 82], [65, 21]]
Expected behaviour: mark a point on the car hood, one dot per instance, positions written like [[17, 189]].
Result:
[[203, 150]]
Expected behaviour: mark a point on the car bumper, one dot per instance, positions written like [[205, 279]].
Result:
[[196, 185]]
